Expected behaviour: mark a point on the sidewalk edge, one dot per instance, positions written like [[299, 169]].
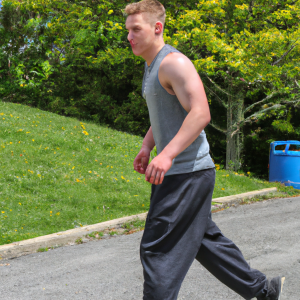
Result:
[[62, 238]]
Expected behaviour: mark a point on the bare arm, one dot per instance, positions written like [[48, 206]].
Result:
[[149, 140], [179, 77], [141, 161]]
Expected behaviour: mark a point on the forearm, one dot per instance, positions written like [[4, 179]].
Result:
[[192, 126], [149, 140]]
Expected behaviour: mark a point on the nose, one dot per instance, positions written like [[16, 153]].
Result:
[[129, 36]]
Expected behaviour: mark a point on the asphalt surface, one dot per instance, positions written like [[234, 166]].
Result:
[[268, 234]]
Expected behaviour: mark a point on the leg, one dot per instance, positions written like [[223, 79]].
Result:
[[174, 229], [221, 257]]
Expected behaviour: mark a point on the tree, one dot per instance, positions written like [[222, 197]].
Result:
[[242, 50], [72, 58]]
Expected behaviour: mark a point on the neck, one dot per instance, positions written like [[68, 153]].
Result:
[[150, 54]]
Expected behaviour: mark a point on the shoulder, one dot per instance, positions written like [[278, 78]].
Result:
[[176, 63]]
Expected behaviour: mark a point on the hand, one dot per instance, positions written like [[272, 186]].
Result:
[[141, 161], [157, 169]]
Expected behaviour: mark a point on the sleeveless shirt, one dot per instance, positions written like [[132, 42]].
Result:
[[166, 117]]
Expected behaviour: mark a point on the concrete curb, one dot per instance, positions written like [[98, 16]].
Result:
[[236, 199], [62, 238]]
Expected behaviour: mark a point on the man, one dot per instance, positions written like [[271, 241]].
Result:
[[179, 227]]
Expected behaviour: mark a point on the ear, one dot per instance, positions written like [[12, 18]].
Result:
[[158, 27]]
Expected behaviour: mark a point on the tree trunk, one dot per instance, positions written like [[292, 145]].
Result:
[[234, 135]]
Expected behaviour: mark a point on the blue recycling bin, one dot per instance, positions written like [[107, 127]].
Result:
[[284, 163]]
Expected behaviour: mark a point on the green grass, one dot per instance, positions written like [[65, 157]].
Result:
[[57, 173], [231, 183], [54, 177]]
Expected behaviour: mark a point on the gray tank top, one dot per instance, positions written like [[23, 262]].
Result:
[[166, 117]]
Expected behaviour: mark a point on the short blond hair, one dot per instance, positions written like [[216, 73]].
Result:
[[152, 7]]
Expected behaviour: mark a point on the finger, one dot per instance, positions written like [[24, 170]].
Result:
[[157, 177], [153, 175], [136, 163], [142, 163], [162, 176], [148, 172]]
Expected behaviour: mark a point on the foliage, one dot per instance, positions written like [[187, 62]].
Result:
[[72, 58], [248, 54]]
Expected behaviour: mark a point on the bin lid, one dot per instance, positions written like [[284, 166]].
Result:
[[286, 142], [286, 148], [294, 142]]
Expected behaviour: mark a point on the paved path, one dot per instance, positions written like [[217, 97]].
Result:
[[268, 233]]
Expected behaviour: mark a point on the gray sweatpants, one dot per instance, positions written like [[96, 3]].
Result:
[[179, 229]]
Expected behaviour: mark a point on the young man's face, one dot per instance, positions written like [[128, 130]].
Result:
[[141, 34]]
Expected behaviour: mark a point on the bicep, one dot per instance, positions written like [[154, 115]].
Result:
[[189, 89]]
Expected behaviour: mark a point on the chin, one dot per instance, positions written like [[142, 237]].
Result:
[[136, 51]]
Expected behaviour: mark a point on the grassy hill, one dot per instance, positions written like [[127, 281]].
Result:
[[59, 173]]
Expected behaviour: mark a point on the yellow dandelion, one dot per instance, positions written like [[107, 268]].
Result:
[[20, 203], [3, 212], [58, 213], [33, 140], [90, 171], [223, 189], [87, 149], [73, 168], [122, 177]]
